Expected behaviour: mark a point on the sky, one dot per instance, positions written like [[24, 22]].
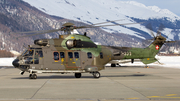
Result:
[[172, 5]]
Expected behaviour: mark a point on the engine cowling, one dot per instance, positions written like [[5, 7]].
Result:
[[79, 44], [41, 42]]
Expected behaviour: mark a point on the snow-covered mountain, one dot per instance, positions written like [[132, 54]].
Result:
[[95, 11]]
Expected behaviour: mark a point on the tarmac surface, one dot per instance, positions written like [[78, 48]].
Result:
[[120, 83]]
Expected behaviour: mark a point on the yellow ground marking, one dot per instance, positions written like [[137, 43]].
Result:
[[133, 98], [153, 96], [171, 95], [55, 61], [165, 97], [73, 62], [72, 37]]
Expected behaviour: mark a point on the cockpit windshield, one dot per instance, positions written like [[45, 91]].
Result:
[[28, 52], [32, 55], [24, 52]]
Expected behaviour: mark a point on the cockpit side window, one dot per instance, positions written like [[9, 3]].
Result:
[[24, 52], [40, 54], [36, 57]]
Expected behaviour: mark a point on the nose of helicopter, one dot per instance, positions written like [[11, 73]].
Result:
[[15, 63]]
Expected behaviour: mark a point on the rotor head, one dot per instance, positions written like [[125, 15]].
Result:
[[68, 24]]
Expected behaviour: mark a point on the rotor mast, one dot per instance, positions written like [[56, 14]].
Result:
[[69, 28]]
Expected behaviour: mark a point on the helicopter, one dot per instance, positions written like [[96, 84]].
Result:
[[75, 53]]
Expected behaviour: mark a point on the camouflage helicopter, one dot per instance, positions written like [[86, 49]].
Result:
[[75, 53]]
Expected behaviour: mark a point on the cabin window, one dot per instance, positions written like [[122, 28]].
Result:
[[62, 55], [89, 54], [70, 54], [101, 55], [76, 54], [56, 55]]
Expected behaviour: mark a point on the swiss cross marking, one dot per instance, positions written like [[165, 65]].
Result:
[[157, 47]]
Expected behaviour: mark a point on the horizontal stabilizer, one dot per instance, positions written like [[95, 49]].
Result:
[[148, 60]]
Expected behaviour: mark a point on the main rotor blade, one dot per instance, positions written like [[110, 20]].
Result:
[[106, 25], [29, 32], [49, 31], [119, 24], [106, 22]]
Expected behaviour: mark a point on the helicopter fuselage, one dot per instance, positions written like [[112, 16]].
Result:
[[77, 54]]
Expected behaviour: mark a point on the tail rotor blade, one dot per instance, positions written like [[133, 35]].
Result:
[[170, 41], [149, 27], [161, 28]]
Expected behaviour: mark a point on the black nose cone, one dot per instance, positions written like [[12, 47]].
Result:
[[15, 63]]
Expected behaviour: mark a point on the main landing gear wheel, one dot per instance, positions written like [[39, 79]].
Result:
[[32, 76], [96, 75], [78, 75], [113, 65]]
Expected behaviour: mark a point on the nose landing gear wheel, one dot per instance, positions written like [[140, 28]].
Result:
[[32, 76], [78, 75], [96, 75]]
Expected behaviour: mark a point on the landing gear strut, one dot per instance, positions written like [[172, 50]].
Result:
[[32, 76], [96, 74], [146, 66], [22, 72]]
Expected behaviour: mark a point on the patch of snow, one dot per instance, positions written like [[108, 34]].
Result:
[[7, 61], [166, 61], [15, 53]]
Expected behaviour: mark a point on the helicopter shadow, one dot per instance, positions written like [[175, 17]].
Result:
[[131, 75], [55, 77], [125, 67], [83, 77]]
